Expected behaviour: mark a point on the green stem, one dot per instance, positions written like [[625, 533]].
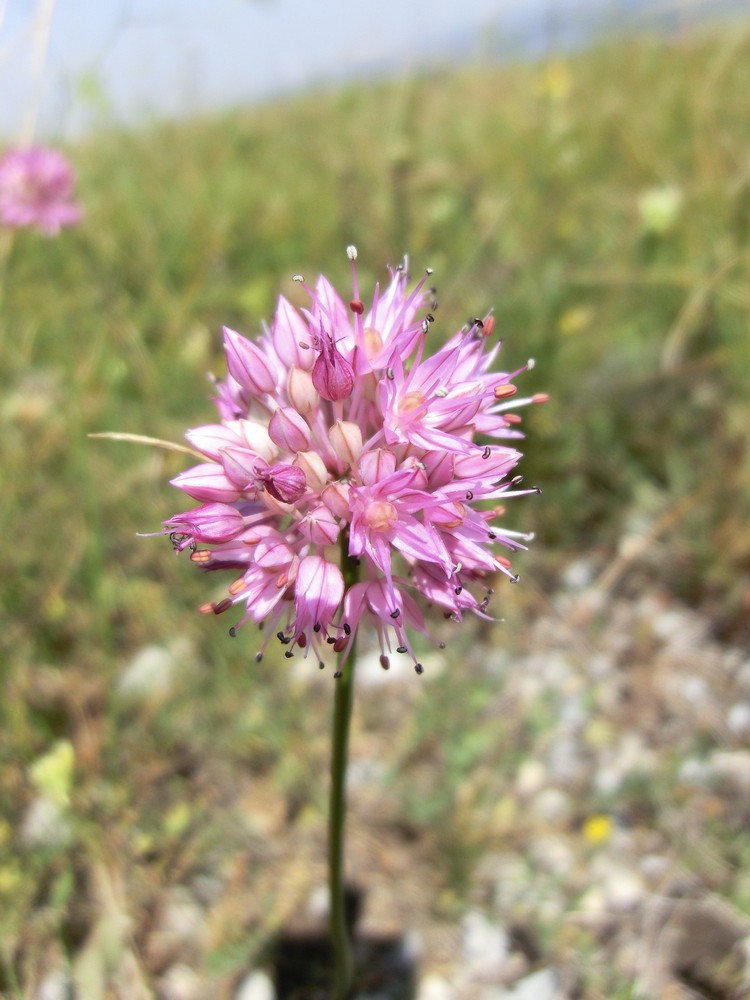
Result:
[[343, 964]]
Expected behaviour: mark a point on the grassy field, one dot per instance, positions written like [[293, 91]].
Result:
[[601, 205]]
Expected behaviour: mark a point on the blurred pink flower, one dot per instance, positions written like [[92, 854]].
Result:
[[334, 428], [36, 189]]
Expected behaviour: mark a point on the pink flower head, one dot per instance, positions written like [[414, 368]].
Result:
[[338, 437], [36, 189]]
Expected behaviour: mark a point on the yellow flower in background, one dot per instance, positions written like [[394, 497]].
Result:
[[575, 319], [554, 82], [597, 829], [52, 774]]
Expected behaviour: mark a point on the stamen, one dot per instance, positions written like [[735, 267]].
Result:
[[419, 668], [396, 613], [487, 452], [288, 654]]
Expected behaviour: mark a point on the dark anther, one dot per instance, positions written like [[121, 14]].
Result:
[[339, 673], [419, 668], [428, 271], [396, 613], [321, 665], [400, 649], [289, 654], [389, 374], [233, 632], [280, 636], [479, 323], [430, 318], [515, 579], [469, 495], [441, 645], [491, 535], [331, 639], [487, 452], [347, 628], [458, 590], [222, 606], [258, 657], [538, 491], [316, 627]]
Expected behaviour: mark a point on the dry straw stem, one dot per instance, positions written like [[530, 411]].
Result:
[[145, 439]]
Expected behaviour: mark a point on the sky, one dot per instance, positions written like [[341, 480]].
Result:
[[66, 65]]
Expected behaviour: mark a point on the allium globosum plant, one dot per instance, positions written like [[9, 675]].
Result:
[[349, 480]]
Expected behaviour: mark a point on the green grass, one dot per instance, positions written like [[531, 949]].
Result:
[[522, 187]]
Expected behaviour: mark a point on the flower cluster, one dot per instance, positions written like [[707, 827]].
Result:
[[339, 442], [36, 189]]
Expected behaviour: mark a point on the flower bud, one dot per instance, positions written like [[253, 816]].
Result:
[[248, 364], [376, 465], [336, 498], [346, 441], [285, 483], [320, 526], [289, 430], [212, 523], [314, 469], [332, 374], [257, 439], [301, 391], [207, 482]]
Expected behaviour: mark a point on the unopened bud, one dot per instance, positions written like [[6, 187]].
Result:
[[289, 430], [346, 441], [332, 374]]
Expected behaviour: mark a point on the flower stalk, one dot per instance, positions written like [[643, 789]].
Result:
[[343, 961]]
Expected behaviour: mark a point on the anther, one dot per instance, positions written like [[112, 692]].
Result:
[[515, 579], [302, 640], [316, 627], [288, 654], [339, 644], [419, 668], [457, 590], [389, 374], [396, 613], [339, 673], [222, 606], [458, 567], [297, 277], [321, 665], [331, 639], [441, 391], [469, 495], [385, 663], [351, 252], [537, 490], [357, 306], [258, 657], [430, 318], [280, 636], [347, 628], [401, 649], [441, 644], [491, 535], [425, 326], [530, 363], [303, 345], [233, 632], [487, 452], [428, 271]]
